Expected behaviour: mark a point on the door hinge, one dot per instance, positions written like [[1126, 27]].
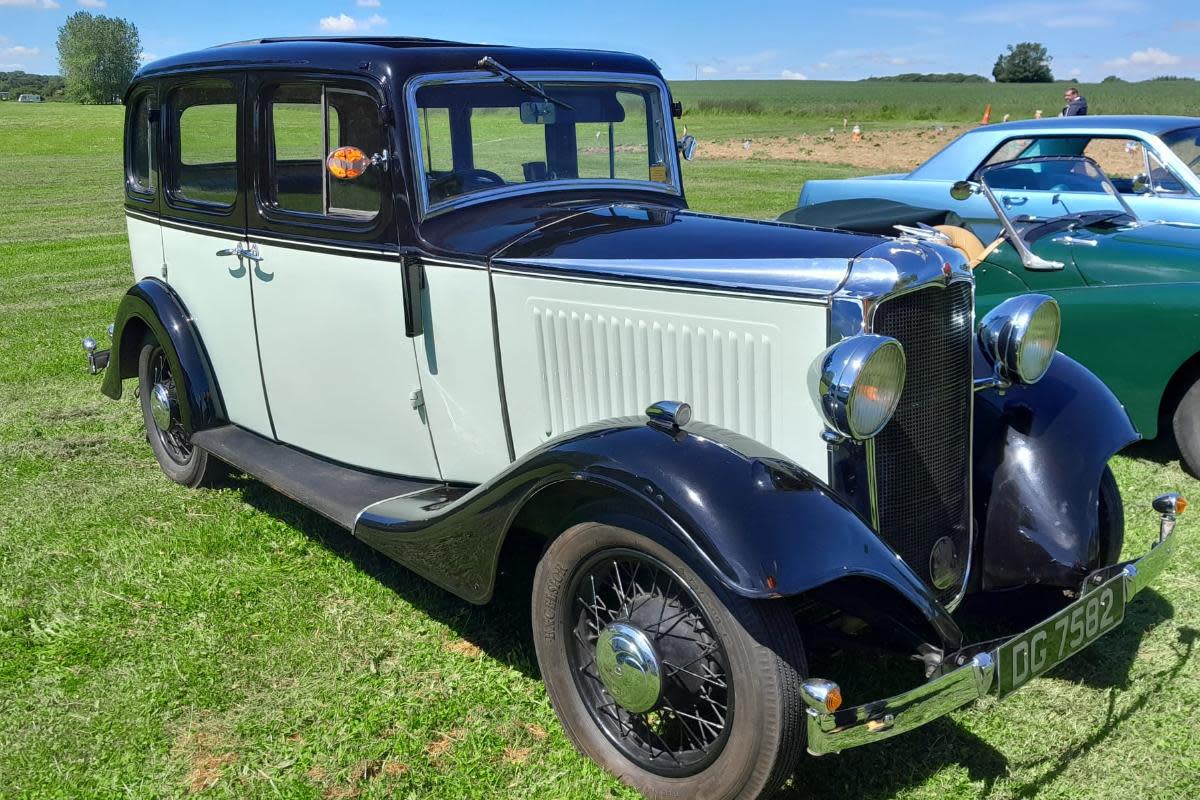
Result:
[[417, 399], [164, 270]]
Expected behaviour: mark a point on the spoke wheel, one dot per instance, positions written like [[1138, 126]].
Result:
[[687, 726], [168, 424]]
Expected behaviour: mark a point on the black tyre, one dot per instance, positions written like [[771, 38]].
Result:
[[679, 688], [160, 398], [1112, 520], [1185, 423]]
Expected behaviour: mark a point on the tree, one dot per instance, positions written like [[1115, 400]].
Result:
[[1113, 79], [98, 56], [1027, 62]]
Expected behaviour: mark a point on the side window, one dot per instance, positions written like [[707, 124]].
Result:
[[1011, 149], [307, 123], [205, 130], [1121, 160], [140, 167]]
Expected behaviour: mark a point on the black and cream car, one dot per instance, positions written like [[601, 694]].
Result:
[[448, 295]]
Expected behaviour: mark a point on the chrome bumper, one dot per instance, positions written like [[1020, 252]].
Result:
[[832, 732], [97, 359]]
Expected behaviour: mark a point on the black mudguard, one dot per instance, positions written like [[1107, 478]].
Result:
[[152, 306], [1039, 453], [741, 512]]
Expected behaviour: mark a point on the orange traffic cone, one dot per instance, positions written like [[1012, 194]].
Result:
[[987, 115]]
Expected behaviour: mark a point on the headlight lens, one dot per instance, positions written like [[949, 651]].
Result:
[[861, 382], [1020, 337]]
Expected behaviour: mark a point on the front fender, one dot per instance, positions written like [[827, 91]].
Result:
[[152, 306], [1039, 454], [754, 521]]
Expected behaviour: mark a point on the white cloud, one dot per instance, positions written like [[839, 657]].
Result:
[[709, 69], [146, 58], [93, 3], [368, 3], [30, 3], [790, 75], [344, 23], [11, 67], [1098, 14], [1146, 59], [824, 65], [1187, 25], [18, 51]]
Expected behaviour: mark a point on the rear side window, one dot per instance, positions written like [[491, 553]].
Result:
[[307, 123], [140, 169], [205, 132]]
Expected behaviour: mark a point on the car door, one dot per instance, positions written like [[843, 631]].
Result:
[[339, 370], [204, 234]]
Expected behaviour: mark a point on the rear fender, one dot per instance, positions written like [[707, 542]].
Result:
[[1039, 454], [150, 306]]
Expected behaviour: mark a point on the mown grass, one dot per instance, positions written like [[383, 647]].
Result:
[[159, 642]]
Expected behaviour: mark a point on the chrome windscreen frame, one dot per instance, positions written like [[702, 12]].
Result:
[[416, 158], [890, 270]]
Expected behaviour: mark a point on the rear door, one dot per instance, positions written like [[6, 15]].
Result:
[[204, 231], [339, 370]]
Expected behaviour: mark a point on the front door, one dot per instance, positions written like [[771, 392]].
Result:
[[204, 232], [340, 373]]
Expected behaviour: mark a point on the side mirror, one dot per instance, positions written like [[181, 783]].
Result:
[[687, 146], [962, 190], [1141, 183]]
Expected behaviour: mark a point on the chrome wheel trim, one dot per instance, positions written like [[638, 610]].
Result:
[[161, 406], [628, 667], [622, 590]]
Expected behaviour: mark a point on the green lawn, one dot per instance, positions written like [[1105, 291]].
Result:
[[159, 642]]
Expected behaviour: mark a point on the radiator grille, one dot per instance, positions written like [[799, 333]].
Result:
[[923, 456]]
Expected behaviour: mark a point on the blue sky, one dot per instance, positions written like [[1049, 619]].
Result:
[[699, 38]]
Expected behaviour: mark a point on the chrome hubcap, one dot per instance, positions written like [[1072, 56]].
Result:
[[628, 667], [161, 406]]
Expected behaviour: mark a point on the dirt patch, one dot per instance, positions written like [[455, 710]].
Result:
[[205, 751], [537, 731], [517, 755], [438, 748], [463, 648], [207, 771], [877, 151]]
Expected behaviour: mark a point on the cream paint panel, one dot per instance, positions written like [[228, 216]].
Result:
[[457, 359], [574, 353], [145, 248], [216, 293], [338, 369]]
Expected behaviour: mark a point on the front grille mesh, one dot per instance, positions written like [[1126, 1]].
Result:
[[923, 455]]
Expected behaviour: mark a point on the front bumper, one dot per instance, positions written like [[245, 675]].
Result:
[[832, 732]]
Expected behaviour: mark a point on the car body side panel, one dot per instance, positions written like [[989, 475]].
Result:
[[575, 352], [742, 513], [1039, 454], [145, 246]]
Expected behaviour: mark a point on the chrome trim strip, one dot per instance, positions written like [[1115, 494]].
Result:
[[882, 719], [673, 188]]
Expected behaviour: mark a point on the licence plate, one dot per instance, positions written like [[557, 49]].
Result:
[[1049, 643]]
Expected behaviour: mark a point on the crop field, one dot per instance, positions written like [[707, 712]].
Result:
[[161, 642]]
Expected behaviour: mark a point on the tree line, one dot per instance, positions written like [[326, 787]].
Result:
[[18, 83]]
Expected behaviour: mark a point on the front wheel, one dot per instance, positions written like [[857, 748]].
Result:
[[678, 688], [159, 394], [1185, 424]]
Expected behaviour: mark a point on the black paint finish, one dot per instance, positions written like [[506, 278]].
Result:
[[741, 512], [1039, 454], [150, 305]]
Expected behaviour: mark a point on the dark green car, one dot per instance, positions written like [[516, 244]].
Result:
[[1128, 288]]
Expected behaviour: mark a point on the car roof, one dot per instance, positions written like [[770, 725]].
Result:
[[390, 58], [1148, 123]]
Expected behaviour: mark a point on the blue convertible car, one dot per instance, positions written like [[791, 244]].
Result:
[[1153, 161]]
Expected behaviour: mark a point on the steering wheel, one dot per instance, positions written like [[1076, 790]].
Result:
[[466, 179]]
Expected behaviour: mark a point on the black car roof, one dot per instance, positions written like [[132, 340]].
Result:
[[392, 58]]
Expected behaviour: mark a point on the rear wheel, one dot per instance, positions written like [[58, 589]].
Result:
[[160, 397], [679, 688], [1186, 425]]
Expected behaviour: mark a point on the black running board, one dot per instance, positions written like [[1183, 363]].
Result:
[[335, 491]]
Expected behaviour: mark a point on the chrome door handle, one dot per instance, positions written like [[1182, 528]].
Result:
[[1010, 200], [1068, 239], [250, 254]]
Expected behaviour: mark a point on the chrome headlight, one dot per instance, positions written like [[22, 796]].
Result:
[[1020, 336], [860, 385]]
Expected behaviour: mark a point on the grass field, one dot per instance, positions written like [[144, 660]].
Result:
[[159, 642]]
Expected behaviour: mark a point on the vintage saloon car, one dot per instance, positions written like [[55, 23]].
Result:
[[427, 289], [1154, 161], [1128, 287]]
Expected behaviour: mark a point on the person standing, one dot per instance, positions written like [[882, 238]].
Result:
[[1076, 104]]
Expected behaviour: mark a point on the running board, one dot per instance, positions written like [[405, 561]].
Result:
[[335, 491]]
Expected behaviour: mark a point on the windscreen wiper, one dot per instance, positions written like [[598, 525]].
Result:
[[510, 77]]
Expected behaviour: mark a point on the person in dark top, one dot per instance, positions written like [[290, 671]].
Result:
[[1076, 104]]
